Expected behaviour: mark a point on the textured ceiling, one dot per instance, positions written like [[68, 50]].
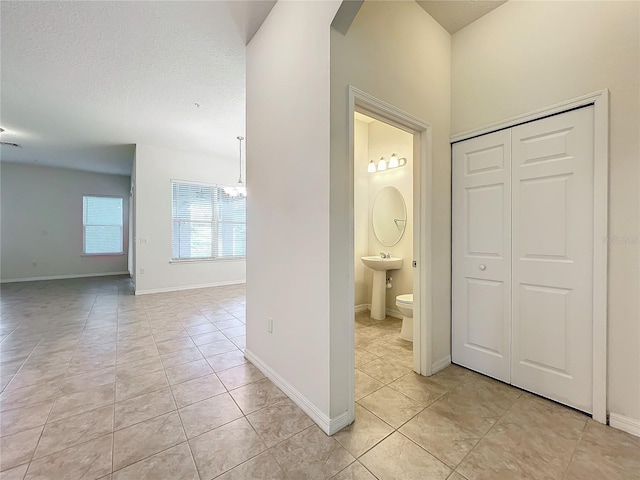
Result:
[[84, 81], [454, 15]]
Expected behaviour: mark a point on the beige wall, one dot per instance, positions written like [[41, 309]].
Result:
[[524, 56], [362, 292], [42, 221], [396, 52]]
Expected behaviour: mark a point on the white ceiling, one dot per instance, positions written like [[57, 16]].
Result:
[[454, 15], [84, 81]]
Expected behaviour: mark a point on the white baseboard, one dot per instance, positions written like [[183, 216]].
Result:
[[393, 313], [328, 425], [62, 277], [362, 308], [626, 424], [440, 364], [188, 287]]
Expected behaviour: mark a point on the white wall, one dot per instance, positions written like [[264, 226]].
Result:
[[154, 169], [396, 52], [363, 278], [381, 141], [288, 205], [42, 222], [528, 55]]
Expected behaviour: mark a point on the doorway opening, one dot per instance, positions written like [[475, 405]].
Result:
[[395, 189]]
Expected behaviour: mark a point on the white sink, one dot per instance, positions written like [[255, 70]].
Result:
[[376, 262], [380, 266]]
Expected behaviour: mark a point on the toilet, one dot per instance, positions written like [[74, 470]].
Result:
[[405, 305]]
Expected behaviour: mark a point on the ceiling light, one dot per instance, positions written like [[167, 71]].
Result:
[[382, 164]]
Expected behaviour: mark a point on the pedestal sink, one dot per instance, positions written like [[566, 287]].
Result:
[[380, 266]]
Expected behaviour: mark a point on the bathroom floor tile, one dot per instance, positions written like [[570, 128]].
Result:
[[383, 370], [365, 385]]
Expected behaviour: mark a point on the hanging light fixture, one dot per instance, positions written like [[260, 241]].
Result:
[[239, 189]]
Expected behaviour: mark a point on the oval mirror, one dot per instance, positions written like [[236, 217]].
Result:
[[389, 216]]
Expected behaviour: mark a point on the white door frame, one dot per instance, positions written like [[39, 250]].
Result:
[[600, 101], [422, 207]]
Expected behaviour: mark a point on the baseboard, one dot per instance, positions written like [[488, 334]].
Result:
[[393, 313], [362, 308], [188, 287], [626, 424], [328, 425], [440, 364], [62, 277]]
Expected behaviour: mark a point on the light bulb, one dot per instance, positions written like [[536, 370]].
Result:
[[371, 167], [393, 161], [382, 164]]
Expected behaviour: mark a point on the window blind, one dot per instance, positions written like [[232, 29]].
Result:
[[207, 223], [102, 225]]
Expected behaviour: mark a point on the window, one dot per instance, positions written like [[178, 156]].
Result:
[[102, 220], [207, 223]]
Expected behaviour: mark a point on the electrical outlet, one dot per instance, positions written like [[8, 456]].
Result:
[[144, 240], [269, 324], [141, 271]]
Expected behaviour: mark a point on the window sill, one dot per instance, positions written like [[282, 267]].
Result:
[[102, 254], [207, 260]]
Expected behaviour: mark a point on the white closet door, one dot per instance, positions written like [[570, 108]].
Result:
[[481, 270], [552, 202]]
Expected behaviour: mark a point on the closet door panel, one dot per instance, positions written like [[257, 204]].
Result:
[[552, 202], [481, 279]]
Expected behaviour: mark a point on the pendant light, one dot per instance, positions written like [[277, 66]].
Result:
[[239, 189]]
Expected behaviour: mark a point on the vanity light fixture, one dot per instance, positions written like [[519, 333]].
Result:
[[239, 189], [394, 162]]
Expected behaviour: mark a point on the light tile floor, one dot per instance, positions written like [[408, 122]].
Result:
[[100, 384]]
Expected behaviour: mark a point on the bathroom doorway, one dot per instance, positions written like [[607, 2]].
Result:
[[380, 178], [383, 247]]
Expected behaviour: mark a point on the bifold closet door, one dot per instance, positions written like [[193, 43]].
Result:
[[552, 220], [481, 250]]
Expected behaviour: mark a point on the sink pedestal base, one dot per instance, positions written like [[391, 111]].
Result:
[[379, 295]]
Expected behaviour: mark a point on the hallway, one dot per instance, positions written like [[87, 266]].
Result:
[[100, 384]]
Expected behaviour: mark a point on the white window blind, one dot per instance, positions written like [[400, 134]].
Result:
[[207, 223], [102, 219]]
